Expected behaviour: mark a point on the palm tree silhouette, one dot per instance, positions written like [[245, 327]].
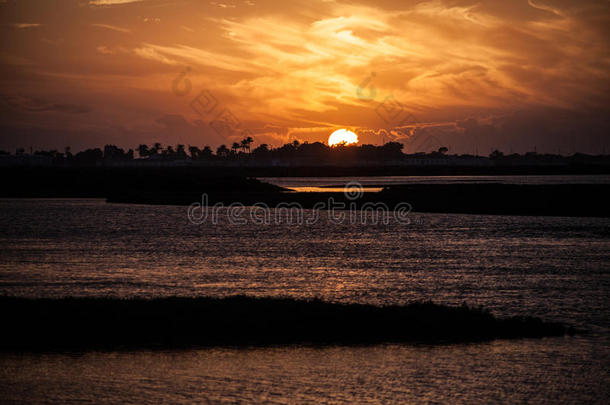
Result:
[[222, 151], [245, 143], [234, 147]]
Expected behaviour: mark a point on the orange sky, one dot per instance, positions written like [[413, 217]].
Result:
[[470, 75]]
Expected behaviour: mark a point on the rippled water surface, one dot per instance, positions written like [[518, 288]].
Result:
[[552, 267], [569, 370], [314, 183]]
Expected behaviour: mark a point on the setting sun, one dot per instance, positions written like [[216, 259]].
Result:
[[342, 137]]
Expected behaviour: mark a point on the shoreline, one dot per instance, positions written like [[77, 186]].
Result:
[[570, 200]]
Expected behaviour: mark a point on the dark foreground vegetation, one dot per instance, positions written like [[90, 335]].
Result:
[[186, 185], [104, 182], [577, 200], [106, 323]]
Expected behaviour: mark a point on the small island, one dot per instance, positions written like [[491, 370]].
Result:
[[179, 322]]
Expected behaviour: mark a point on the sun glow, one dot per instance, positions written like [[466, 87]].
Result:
[[342, 137]]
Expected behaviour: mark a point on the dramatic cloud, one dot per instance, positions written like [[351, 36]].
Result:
[[472, 75], [37, 105], [26, 25], [111, 27], [111, 2]]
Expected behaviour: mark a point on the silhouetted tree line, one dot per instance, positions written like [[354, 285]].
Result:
[[238, 150], [312, 152]]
